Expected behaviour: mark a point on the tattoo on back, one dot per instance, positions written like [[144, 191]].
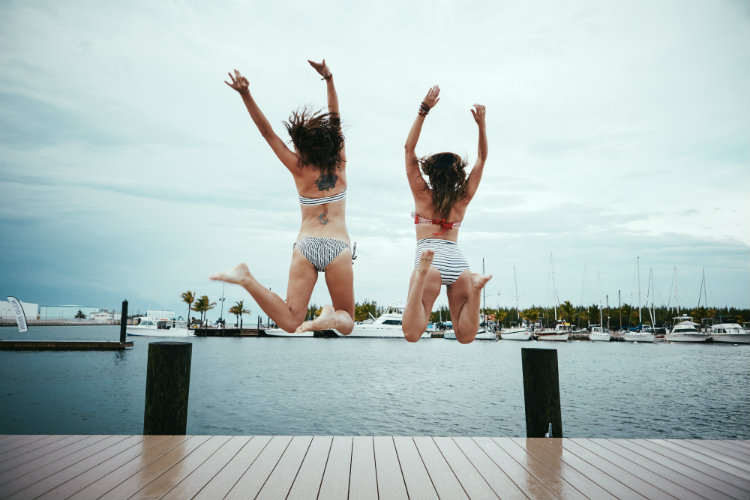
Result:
[[326, 182], [323, 218]]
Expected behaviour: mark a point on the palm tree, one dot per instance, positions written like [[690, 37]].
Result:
[[238, 309], [203, 305], [568, 311], [188, 297]]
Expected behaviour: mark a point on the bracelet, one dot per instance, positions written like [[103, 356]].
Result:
[[330, 75], [423, 109]]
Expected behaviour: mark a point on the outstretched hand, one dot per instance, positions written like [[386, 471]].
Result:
[[432, 96], [321, 68], [478, 113], [239, 82]]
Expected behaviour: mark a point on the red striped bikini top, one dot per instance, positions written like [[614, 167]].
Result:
[[444, 224]]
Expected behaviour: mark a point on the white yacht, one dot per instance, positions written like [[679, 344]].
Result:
[[645, 334], [599, 334], [731, 333], [482, 334], [150, 327], [516, 333], [685, 330], [387, 325], [560, 333]]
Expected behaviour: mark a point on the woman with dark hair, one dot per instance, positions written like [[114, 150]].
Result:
[[440, 204], [318, 165]]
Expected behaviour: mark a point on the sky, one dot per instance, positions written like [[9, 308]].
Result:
[[618, 132]]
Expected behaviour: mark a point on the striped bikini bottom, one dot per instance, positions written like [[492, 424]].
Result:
[[320, 251], [449, 260]]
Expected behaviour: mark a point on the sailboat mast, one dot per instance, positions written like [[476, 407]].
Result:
[[676, 296], [638, 267], [515, 282]]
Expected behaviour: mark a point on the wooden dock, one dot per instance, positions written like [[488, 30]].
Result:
[[366, 467], [54, 345]]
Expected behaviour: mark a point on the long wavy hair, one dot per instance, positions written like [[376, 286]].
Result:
[[447, 178], [318, 139]]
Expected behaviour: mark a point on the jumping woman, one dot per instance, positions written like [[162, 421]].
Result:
[[318, 165], [440, 204]]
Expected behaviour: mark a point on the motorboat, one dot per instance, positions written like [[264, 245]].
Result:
[[560, 333], [516, 333], [731, 333], [482, 334], [599, 334], [150, 327], [278, 332], [644, 333], [387, 325], [685, 330]]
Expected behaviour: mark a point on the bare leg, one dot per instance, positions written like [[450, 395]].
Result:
[[287, 314], [340, 282], [463, 301], [424, 288]]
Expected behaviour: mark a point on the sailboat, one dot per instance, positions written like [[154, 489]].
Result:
[[598, 332], [639, 334], [562, 328], [518, 332]]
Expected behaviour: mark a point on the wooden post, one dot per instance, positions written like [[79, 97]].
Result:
[[541, 393], [167, 388], [124, 321]]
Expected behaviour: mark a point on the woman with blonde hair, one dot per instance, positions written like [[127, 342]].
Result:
[[440, 204], [318, 166]]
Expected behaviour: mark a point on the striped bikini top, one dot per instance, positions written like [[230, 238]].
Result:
[[444, 224], [320, 201]]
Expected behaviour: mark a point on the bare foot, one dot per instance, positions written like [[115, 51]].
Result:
[[326, 321], [236, 275], [478, 281], [425, 260]]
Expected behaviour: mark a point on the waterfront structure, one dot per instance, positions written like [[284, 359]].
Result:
[[64, 311], [7, 312]]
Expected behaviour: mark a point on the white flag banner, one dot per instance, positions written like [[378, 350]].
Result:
[[20, 314]]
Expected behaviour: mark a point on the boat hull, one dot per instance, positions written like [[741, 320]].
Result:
[[134, 331], [686, 337], [732, 338], [278, 332], [518, 335], [600, 337], [636, 337], [559, 337]]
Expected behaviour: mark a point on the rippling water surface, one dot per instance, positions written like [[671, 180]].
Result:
[[380, 387]]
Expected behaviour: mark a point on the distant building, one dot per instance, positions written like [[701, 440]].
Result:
[[7, 312], [105, 316], [65, 312], [170, 315]]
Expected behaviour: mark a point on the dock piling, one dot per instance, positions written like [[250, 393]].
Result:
[[541, 393], [167, 388], [124, 321]]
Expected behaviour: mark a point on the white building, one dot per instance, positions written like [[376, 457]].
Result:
[[7, 311], [64, 312]]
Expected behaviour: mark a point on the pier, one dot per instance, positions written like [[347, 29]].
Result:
[[370, 467], [54, 345]]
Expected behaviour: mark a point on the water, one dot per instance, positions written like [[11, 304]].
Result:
[[380, 387]]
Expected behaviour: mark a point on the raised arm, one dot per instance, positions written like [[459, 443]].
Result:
[[325, 72], [476, 173], [416, 182], [242, 86]]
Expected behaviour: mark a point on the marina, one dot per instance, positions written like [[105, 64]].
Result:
[[370, 467]]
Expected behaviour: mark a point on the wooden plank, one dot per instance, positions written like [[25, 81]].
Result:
[[43, 458], [552, 481], [220, 485], [675, 483], [663, 448], [418, 483], [154, 469], [192, 484], [712, 457], [521, 478], [162, 484], [606, 481], [743, 444], [255, 476], [107, 451], [15, 456], [725, 447], [26, 455], [11, 442], [281, 479], [551, 457], [672, 460], [151, 448], [621, 472], [494, 473], [307, 483], [443, 478], [471, 480], [11, 488], [363, 483], [335, 483], [391, 483]]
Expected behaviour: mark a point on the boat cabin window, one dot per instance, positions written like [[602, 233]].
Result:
[[392, 322]]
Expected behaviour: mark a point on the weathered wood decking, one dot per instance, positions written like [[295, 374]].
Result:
[[382, 467]]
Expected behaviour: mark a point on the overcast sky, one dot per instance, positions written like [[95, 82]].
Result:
[[616, 130]]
